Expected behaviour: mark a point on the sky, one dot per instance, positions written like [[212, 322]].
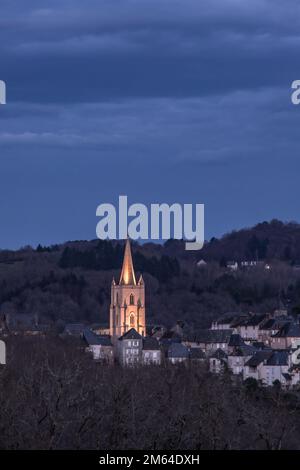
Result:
[[161, 100]]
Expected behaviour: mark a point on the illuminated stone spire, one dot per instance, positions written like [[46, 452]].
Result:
[[127, 274]]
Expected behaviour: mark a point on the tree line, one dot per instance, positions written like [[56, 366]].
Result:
[[54, 396]]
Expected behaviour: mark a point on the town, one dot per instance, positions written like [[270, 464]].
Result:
[[251, 346]]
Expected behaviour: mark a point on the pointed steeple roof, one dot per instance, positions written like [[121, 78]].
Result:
[[127, 274]]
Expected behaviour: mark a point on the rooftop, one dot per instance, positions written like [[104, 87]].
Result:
[[92, 339], [209, 336], [130, 334], [196, 353], [178, 350], [75, 329], [150, 344], [288, 330]]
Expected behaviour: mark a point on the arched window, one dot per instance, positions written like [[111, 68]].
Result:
[[131, 300], [132, 320]]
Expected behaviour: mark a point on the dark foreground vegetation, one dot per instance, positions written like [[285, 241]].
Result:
[[53, 396]]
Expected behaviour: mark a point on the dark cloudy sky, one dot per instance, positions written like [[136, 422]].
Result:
[[162, 100]]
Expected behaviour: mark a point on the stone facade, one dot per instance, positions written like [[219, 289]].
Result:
[[127, 309]]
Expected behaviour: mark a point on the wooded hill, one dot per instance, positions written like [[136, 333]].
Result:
[[71, 282]]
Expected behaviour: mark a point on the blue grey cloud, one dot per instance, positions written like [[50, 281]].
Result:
[[162, 100]]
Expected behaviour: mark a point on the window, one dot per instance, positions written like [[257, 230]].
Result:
[[131, 299], [132, 320]]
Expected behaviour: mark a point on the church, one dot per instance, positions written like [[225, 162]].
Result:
[[127, 307], [127, 342]]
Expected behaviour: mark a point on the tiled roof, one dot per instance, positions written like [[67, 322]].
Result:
[[75, 329], [287, 376], [268, 325], [235, 340], [288, 330], [278, 358], [178, 350], [196, 353], [92, 339], [227, 318], [130, 334], [258, 358], [97, 326], [244, 350], [256, 319], [21, 321], [209, 336], [258, 344], [150, 344]]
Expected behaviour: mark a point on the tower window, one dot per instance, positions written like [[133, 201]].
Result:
[[132, 320], [131, 300]]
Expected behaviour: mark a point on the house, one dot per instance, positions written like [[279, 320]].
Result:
[[287, 336], [196, 355], [100, 346], [230, 321], [271, 326], [255, 264], [168, 338], [180, 329], [129, 348], [22, 324], [276, 368], [99, 329], [269, 366], [249, 264], [248, 328], [74, 329], [158, 331], [232, 265], [177, 352], [225, 321], [201, 263], [217, 361], [235, 341], [252, 368], [268, 328], [208, 340], [151, 352], [236, 359]]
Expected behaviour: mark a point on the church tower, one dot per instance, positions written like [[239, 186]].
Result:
[[127, 307]]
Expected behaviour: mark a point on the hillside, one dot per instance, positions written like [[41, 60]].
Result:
[[71, 282], [265, 241]]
